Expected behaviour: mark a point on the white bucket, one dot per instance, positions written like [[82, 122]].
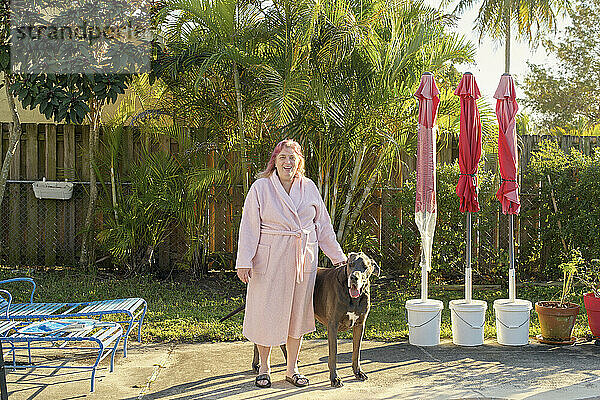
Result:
[[424, 321], [512, 321], [468, 319]]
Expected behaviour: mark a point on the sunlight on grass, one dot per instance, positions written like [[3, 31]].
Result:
[[190, 311]]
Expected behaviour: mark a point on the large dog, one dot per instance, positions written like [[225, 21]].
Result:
[[341, 301]]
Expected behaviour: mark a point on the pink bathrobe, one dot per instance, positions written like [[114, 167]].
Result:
[[280, 236]]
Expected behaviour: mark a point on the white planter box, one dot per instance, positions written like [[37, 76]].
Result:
[[53, 190]]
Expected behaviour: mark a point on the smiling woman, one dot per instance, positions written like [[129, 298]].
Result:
[[284, 222]]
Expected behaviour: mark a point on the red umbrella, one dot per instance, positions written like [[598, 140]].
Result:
[[469, 143], [506, 110], [425, 204], [508, 192], [469, 153]]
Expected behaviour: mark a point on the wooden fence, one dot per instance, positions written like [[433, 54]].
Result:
[[47, 232]]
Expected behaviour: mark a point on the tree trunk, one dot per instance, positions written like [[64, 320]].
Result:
[[358, 209], [241, 131], [350, 194], [13, 138], [87, 258]]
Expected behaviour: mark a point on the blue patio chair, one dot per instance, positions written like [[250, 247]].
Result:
[[133, 308]]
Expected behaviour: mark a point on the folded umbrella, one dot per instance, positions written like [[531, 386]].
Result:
[[469, 143], [506, 110], [508, 192], [469, 153], [425, 204]]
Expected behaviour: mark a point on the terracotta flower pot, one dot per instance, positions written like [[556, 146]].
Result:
[[592, 307], [556, 323]]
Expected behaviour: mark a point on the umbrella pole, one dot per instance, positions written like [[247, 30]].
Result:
[[512, 287], [468, 274], [424, 277]]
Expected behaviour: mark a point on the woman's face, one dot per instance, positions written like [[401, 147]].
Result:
[[287, 162]]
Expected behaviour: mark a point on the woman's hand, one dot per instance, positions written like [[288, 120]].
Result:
[[244, 274]]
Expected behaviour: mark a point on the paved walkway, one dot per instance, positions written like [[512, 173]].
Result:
[[396, 371]]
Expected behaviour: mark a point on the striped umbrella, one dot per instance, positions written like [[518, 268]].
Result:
[[425, 204]]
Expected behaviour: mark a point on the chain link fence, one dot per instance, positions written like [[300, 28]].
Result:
[[41, 231], [49, 232]]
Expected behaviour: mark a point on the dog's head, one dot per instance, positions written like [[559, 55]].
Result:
[[358, 270]]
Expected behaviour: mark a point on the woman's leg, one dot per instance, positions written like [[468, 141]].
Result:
[[264, 352], [293, 348]]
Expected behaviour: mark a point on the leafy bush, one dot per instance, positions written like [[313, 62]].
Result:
[[573, 182]]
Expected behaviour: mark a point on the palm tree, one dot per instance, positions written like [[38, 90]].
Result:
[[208, 35], [497, 18], [358, 119]]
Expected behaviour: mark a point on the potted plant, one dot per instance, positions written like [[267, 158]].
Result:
[[557, 318], [590, 277]]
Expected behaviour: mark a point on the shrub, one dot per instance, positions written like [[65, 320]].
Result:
[[450, 233], [574, 181]]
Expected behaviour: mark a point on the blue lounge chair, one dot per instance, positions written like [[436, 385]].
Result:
[[72, 335], [133, 308]]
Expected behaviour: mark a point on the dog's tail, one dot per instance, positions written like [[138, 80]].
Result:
[[231, 314]]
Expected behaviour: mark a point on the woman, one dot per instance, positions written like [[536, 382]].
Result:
[[284, 222]]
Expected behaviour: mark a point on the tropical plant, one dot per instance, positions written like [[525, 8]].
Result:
[[205, 36], [497, 18], [569, 269], [145, 212], [359, 119], [338, 76]]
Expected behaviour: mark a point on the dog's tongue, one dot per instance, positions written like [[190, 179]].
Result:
[[354, 292]]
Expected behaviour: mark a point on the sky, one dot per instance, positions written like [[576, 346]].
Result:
[[489, 60]]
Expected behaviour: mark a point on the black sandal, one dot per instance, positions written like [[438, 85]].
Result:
[[297, 380], [263, 377]]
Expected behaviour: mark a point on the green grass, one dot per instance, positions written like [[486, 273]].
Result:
[[189, 310]]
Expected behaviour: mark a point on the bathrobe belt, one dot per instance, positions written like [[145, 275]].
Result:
[[300, 250]]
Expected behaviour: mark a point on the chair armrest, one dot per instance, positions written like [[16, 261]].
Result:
[[7, 293], [22, 280]]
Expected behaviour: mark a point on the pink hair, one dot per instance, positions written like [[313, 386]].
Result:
[[292, 144]]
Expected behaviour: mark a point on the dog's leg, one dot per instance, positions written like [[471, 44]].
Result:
[[357, 333], [332, 329], [255, 360], [284, 351]]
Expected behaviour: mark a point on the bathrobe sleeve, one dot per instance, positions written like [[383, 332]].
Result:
[[326, 235], [249, 230]]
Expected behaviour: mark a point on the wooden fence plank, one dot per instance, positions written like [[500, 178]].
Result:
[[31, 231], [50, 227], [69, 171], [85, 153], [69, 150], [2, 130], [15, 239]]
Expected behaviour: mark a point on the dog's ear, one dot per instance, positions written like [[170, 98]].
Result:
[[376, 269], [352, 257]]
